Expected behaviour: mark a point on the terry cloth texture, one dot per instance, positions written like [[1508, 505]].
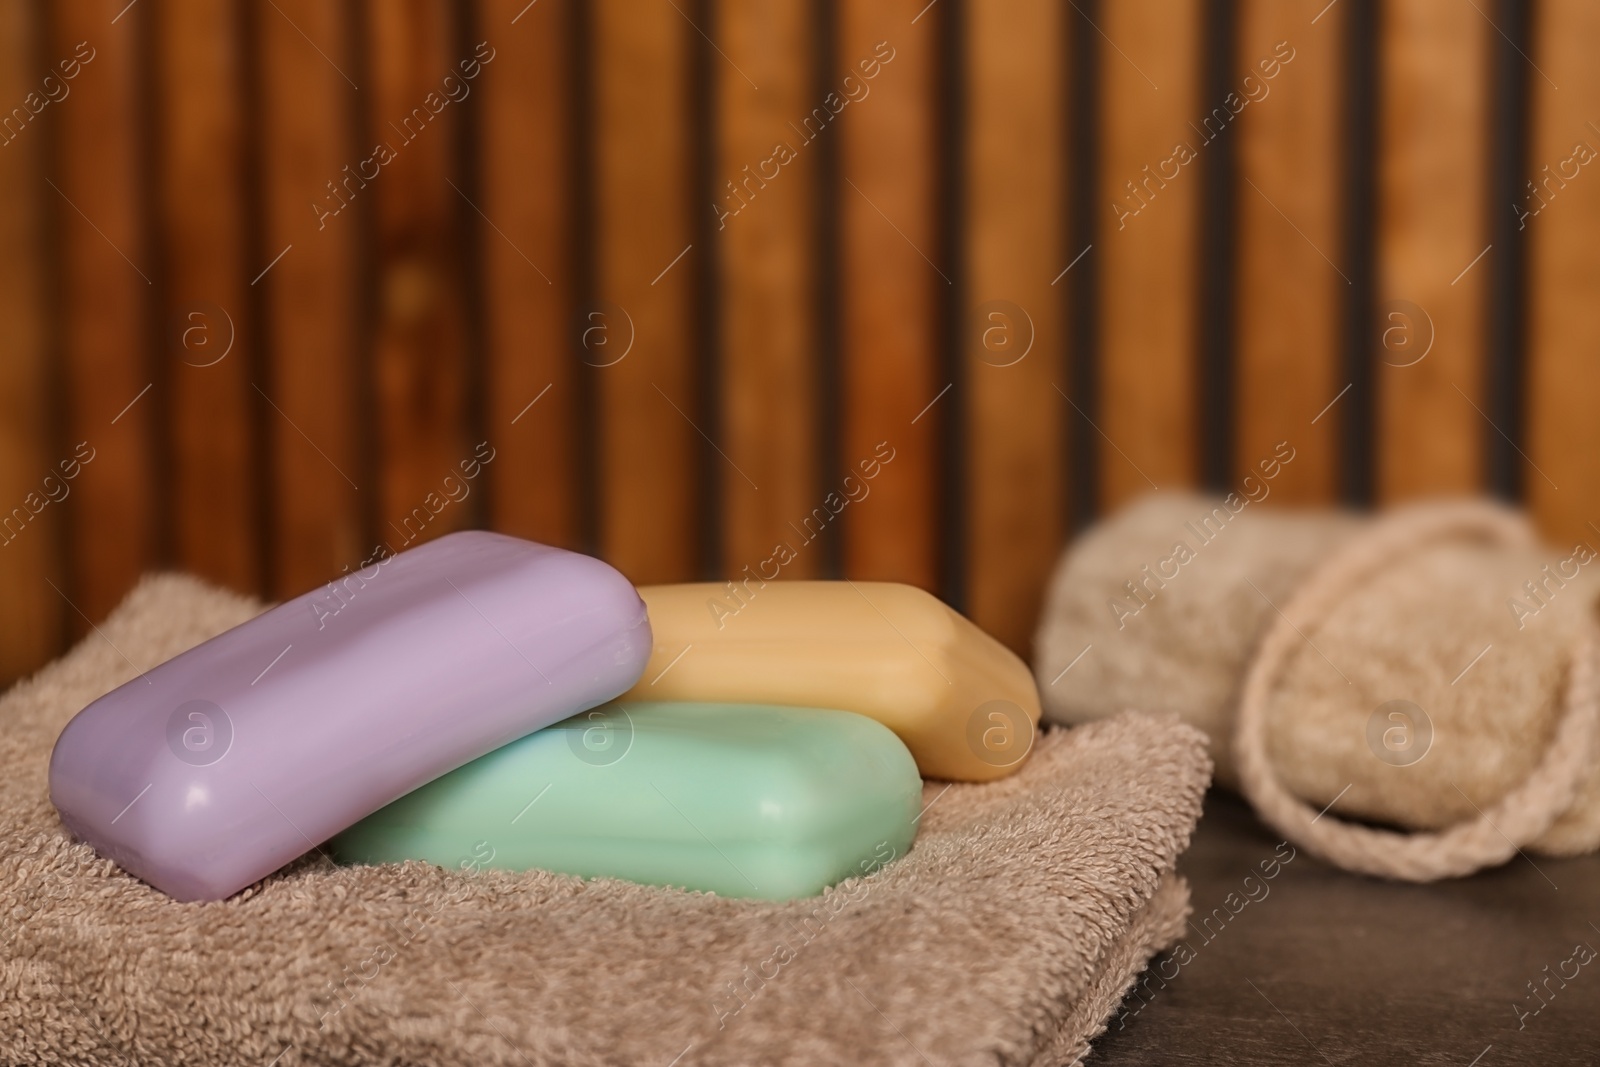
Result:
[[1176, 591], [1007, 935]]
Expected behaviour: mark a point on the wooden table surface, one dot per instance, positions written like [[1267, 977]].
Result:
[[1319, 966]]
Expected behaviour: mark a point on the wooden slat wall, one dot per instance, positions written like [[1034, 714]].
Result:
[[1015, 174], [108, 368], [1564, 273], [526, 230], [1290, 208], [1147, 241], [30, 625], [1432, 224], [419, 347], [652, 434], [551, 263], [889, 293], [765, 249], [309, 384], [203, 389]]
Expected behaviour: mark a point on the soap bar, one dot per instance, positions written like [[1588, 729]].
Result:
[[210, 771], [772, 803], [964, 704]]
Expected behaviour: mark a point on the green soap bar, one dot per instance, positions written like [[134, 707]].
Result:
[[742, 800]]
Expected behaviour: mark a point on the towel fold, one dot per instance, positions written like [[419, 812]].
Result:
[[1008, 934]]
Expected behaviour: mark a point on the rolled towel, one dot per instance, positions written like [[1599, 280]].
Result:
[[1424, 669]]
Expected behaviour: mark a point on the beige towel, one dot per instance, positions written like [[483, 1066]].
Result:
[[1007, 935], [1471, 641]]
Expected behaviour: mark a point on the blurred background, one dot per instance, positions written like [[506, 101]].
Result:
[[911, 289]]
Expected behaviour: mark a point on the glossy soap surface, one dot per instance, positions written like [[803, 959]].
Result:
[[742, 801], [219, 766], [964, 704]]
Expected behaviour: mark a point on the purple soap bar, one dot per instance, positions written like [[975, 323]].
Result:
[[219, 766]]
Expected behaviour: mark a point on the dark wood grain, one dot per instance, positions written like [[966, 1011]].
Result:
[[1291, 290], [651, 433], [311, 293], [888, 293], [107, 361], [1015, 174], [1432, 226], [419, 354], [1330, 967], [766, 258], [30, 624], [1147, 213], [206, 312], [525, 233], [1562, 217]]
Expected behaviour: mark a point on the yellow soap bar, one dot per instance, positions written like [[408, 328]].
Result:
[[964, 704]]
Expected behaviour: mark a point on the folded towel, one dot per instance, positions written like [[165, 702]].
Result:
[[1008, 934], [1425, 668]]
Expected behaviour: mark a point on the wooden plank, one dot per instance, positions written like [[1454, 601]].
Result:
[[1015, 193], [1563, 214], [1147, 242], [202, 208], [1432, 226], [105, 288], [31, 624], [888, 293], [765, 188], [419, 341], [1227, 993], [526, 234], [648, 441], [311, 296], [1290, 284]]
